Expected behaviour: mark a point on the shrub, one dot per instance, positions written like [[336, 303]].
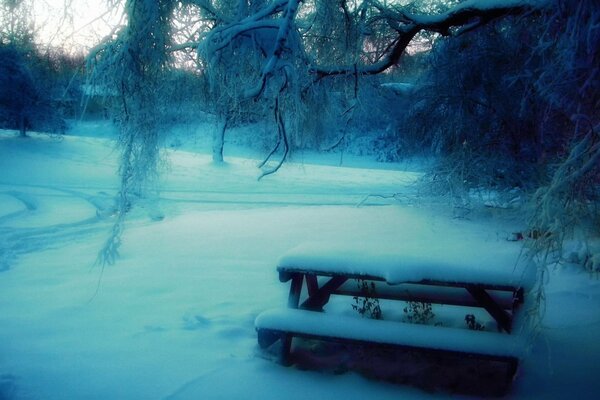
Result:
[[25, 103]]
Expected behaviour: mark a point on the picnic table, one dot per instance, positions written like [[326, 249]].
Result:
[[497, 283]]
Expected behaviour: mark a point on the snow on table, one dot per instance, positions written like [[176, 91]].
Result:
[[486, 263]]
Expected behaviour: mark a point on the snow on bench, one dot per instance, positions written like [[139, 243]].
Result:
[[492, 264], [324, 325], [488, 275]]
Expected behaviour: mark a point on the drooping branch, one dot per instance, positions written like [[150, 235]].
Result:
[[282, 37], [133, 65], [466, 13], [281, 136], [222, 38], [458, 20], [223, 34], [391, 58]]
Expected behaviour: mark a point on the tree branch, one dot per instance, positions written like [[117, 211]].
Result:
[[465, 17], [282, 36]]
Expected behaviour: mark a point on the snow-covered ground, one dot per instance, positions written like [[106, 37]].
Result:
[[174, 318]]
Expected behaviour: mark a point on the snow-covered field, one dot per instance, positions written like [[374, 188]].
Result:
[[174, 318]]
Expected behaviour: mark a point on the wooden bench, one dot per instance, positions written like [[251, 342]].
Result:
[[316, 273]]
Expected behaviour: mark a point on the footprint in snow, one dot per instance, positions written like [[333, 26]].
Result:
[[195, 322], [8, 386], [233, 332]]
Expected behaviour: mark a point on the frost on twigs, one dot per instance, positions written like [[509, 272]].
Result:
[[568, 206], [110, 250], [132, 65]]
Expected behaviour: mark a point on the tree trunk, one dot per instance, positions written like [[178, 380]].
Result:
[[219, 141], [23, 126]]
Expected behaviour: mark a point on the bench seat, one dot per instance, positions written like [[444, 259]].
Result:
[[323, 325]]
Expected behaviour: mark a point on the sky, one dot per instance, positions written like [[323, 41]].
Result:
[[87, 23], [80, 29]]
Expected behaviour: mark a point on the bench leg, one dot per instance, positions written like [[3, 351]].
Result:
[[320, 297], [484, 299], [511, 371], [267, 337], [285, 357], [295, 289]]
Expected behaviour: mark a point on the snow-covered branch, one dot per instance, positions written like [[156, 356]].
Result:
[[277, 15], [460, 19], [282, 37], [208, 7], [281, 15], [221, 38]]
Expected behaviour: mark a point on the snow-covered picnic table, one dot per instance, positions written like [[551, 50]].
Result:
[[494, 278]]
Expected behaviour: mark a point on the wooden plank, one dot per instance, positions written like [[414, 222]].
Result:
[[500, 287], [456, 296], [503, 318], [512, 360], [512, 363], [295, 289], [286, 348], [321, 296], [285, 274], [326, 326], [311, 284]]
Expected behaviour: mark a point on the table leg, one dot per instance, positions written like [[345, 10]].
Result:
[[311, 284], [295, 290], [503, 318], [293, 301], [286, 349], [320, 297]]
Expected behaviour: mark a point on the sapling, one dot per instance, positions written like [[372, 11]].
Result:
[[367, 304], [419, 312]]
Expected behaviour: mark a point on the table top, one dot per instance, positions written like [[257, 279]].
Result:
[[493, 264]]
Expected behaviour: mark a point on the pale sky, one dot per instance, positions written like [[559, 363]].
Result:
[[80, 29]]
